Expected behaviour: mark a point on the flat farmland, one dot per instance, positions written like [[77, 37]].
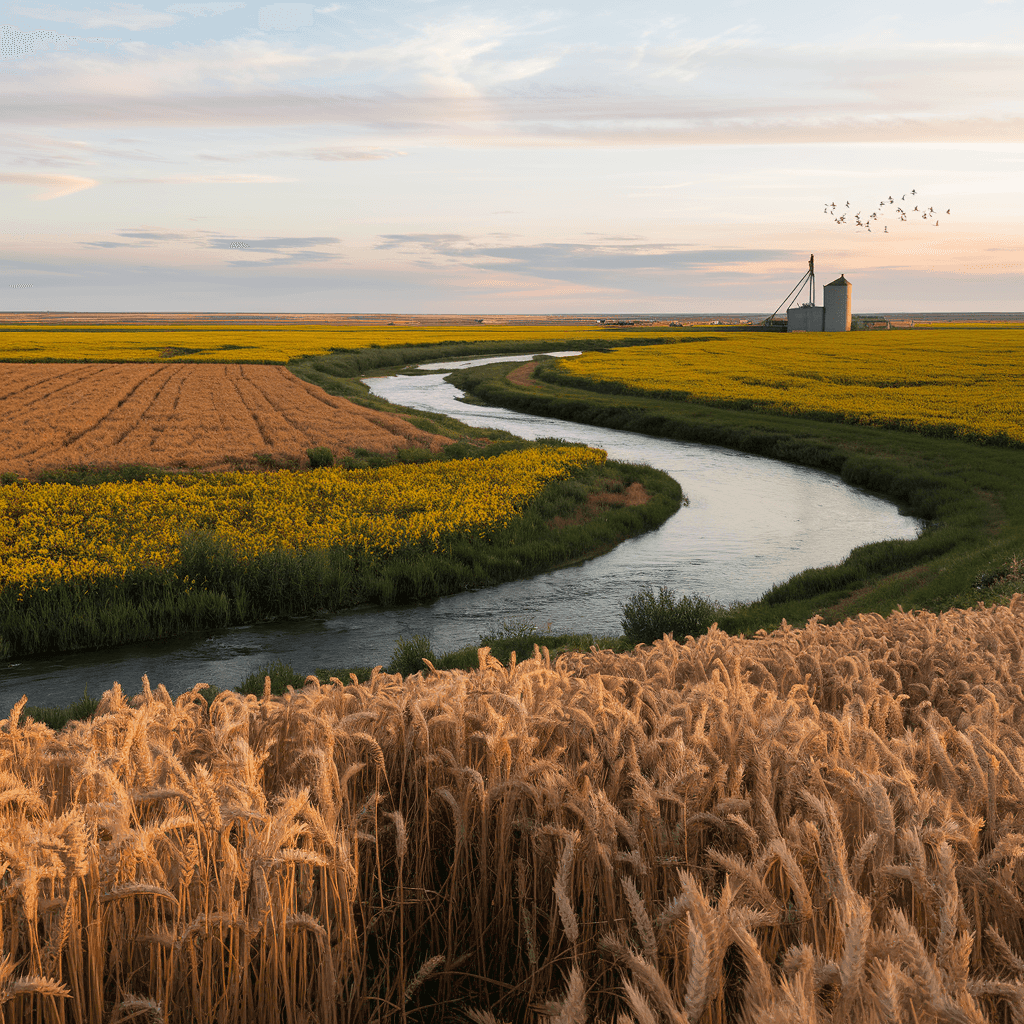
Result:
[[180, 416]]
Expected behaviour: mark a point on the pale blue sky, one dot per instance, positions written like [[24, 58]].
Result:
[[430, 156]]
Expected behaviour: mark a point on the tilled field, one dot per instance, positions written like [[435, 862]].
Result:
[[195, 416]]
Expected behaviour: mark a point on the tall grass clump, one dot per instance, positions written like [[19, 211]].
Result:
[[320, 456], [410, 654], [647, 617]]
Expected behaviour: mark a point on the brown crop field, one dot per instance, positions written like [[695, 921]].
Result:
[[195, 416]]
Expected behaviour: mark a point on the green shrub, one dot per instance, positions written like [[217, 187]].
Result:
[[647, 618], [56, 718], [409, 655], [281, 675], [8, 478], [320, 456]]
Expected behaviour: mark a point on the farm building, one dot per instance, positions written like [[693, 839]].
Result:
[[834, 315]]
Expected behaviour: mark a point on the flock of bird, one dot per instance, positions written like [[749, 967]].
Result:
[[865, 221]]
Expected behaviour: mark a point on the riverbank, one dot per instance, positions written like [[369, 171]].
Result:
[[971, 494], [213, 583]]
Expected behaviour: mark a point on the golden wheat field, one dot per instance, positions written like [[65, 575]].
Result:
[[194, 416], [958, 382], [819, 824]]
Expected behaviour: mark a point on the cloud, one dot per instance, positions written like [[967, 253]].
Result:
[[158, 236], [283, 250], [610, 256], [348, 153], [434, 243], [203, 10], [273, 244], [527, 79], [327, 153], [30, 148], [582, 263], [57, 185], [285, 17], [208, 179], [130, 16]]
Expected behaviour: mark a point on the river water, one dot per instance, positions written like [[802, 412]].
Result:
[[751, 523]]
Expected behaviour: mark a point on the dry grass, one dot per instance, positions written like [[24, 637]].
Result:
[[194, 416], [822, 824]]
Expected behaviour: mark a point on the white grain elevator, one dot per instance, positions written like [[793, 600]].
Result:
[[835, 315]]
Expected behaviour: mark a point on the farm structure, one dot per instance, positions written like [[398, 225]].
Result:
[[834, 315]]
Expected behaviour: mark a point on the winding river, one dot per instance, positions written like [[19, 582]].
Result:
[[751, 523]]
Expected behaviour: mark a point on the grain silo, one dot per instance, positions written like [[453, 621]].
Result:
[[838, 304]]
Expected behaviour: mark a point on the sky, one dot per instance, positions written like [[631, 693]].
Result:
[[591, 157]]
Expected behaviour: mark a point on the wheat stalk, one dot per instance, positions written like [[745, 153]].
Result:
[[641, 919], [34, 984], [565, 909]]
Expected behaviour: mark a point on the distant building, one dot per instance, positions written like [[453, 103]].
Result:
[[807, 317], [835, 315]]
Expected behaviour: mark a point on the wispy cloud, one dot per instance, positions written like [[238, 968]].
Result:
[[56, 185], [330, 153], [204, 10], [579, 262], [208, 179], [130, 16], [283, 250], [51, 151], [514, 80], [286, 17]]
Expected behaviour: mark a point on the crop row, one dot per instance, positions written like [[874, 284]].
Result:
[[60, 532], [953, 383]]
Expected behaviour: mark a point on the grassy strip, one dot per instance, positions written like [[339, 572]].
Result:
[[338, 372], [972, 496], [227, 591]]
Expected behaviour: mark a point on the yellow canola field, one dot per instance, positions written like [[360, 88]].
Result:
[[958, 382], [191, 343], [51, 532]]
